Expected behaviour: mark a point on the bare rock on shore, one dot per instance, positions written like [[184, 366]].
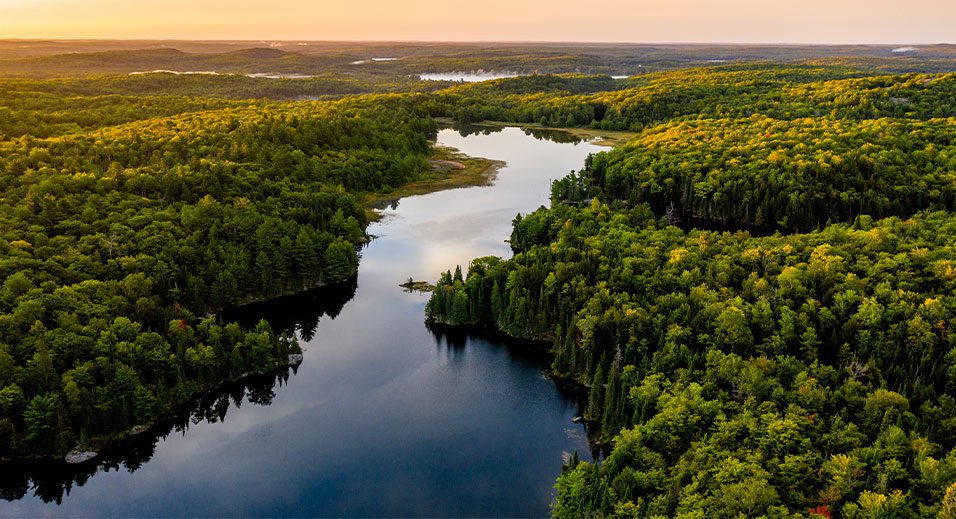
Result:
[[79, 456], [445, 165]]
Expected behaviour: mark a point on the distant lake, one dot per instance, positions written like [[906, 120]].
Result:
[[468, 77], [385, 417], [371, 60], [269, 75]]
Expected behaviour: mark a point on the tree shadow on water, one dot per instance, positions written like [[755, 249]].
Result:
[[52, 481], [297, 312]]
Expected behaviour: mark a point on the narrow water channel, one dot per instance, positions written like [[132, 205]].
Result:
[[384, 417]]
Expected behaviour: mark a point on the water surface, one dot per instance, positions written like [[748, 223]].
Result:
[[468, 77], [384, 417]]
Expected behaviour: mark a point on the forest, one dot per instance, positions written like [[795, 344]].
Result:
[[723, 92], [757, 290], [128, 223]]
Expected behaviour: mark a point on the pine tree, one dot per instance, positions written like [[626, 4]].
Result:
[[609, 420], [596, 396]]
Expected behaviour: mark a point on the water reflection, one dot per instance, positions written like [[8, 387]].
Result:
[[297, 313], [456, 339], [52, 481], [541, 134], [385, 417]]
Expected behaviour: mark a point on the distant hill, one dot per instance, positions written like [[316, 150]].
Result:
[[242, 61], [39, 59]]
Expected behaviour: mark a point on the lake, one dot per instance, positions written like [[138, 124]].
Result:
[[467, 77], [384, 417]]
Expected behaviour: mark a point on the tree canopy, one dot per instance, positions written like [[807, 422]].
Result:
[[757, 291], [126, 225]]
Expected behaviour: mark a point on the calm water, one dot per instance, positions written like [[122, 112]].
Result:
[[384, 417], [468, 77]]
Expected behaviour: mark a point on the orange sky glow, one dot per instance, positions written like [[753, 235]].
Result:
[[743, 21]]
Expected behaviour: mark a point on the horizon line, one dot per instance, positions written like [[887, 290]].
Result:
[[41, 39]]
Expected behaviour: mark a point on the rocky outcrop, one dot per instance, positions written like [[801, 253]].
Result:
[[78, 456]]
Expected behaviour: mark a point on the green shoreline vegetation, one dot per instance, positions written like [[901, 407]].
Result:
[[117, 238], [756, 283], [609, 138], [804, 370], [447, 169]]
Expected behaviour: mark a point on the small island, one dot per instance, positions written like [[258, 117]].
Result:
[[417, 286]]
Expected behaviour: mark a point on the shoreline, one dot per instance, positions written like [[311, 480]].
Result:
[[609, 138], [477, 171], [540, 347], [449, 169], [93, 451]]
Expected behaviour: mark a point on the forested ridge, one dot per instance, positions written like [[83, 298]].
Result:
[[127, 224], [781, 92], [806, 370], [795, 174]]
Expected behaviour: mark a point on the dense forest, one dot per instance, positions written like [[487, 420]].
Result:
[[757, 290], [128, 223], [53, 481], [720, 92]]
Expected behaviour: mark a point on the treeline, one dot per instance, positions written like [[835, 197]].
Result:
[[787, 174], [737, 374], [52, 482], [100, 101], [247, 60], [27, 112], [115, 242], [720, 92], [754, 375]]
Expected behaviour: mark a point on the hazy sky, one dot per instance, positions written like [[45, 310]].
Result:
[[748, 21]]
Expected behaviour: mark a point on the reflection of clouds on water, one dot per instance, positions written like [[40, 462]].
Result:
[[428, 234], [381, 404], [450, 229], [576, 434], [566, 457]]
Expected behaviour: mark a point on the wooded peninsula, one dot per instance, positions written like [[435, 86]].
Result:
[[756, 286]]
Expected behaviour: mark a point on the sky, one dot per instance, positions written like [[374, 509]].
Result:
[[704, 21]]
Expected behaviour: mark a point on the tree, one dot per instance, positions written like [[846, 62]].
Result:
[[39, 419], [339, 260]]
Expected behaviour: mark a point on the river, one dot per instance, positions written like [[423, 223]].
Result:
[[384, 417]]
